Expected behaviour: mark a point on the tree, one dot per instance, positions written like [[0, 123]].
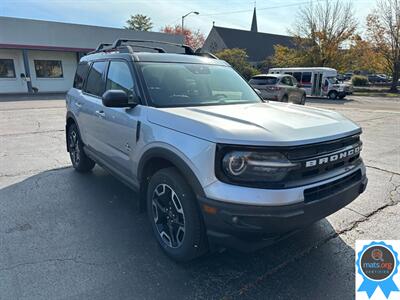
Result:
[[237, 58], [194, 39], [320, 32], [383, 28], [362, 56], [289, 57], [139, 22]]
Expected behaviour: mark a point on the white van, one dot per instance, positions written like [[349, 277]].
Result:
[[317, 82]]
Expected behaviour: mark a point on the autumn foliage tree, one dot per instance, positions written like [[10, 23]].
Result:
[[194, 39], [237, 58], [383, 28], [320, 32]]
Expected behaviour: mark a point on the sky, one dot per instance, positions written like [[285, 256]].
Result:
[[273, 16]]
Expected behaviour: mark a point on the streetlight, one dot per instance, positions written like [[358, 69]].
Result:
[[183, 17]]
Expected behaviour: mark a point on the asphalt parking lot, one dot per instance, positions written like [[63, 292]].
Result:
[[65, 235]]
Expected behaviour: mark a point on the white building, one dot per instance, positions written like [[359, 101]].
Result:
[[41, 56]]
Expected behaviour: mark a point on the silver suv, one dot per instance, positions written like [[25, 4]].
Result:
[[213, 163], [279, 87]]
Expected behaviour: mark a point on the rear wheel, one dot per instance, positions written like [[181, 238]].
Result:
[[175, 216], [303, 99], [80, 161], [285, 99], [332, 95]]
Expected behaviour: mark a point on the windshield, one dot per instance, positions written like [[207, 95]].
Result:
[[333, 80], [179, 84]]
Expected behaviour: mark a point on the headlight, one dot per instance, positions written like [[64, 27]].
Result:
[[252, 166]]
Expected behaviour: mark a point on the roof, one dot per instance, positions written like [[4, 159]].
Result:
[[158, 57], [258, 45], [47, 35], [269, 75], [305, 68]]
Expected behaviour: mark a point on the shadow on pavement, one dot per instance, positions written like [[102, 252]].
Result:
[[66, 235]]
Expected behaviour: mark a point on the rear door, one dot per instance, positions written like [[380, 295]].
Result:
[[92, 111]]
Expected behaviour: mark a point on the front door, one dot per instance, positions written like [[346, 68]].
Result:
[[120, 124]]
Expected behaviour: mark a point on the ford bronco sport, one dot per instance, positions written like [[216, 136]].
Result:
[[213, 163]]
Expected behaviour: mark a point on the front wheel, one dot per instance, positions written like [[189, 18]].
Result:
[[175, 217], [332, 95]]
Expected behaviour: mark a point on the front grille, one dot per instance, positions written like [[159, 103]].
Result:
[[331, 188], [307, 151]]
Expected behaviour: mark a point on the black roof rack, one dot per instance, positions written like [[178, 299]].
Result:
[[119, 42], [129, 44]]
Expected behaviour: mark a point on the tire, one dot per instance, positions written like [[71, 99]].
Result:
[[303, 99], [285, 99], [176, 220], [341, 97], [80, 161], [332, 95]]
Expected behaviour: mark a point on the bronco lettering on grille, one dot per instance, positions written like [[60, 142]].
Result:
[[334, 157]]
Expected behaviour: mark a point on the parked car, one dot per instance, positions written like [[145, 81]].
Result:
[[283, 88], [213, 163], [348, 75], [378, 78]]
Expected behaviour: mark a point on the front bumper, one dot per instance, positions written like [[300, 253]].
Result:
[[249, 227]]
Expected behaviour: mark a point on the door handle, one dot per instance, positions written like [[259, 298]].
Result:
[[78, 104], [100, 113]]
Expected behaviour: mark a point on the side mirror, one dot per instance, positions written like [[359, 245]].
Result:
[[119, 98], [299, 85], [22, 75]]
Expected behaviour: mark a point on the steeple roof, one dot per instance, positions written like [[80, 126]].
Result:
[[254, 22]]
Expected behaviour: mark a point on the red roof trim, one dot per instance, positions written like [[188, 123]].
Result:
[[52, 48]]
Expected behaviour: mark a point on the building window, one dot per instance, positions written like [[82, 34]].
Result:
[[7, 69], [48, 69]]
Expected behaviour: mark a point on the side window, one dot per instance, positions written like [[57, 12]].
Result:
[[95, 83], [297, 75], [294, 81], [80, 75], [119, 77], [289, 73], [306, 78], [286, 81]]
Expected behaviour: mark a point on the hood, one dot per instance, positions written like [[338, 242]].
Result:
[[268, 124]]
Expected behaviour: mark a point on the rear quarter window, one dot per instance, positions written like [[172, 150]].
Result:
[[80, 75]]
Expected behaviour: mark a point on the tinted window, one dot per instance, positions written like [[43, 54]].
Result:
[[289, 73], [7, 69], [179, 84], [297, 75], [119, 77], [306, 78], [80, 75], [263, 80], [48, 68], [95, 83], [286, 81]]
